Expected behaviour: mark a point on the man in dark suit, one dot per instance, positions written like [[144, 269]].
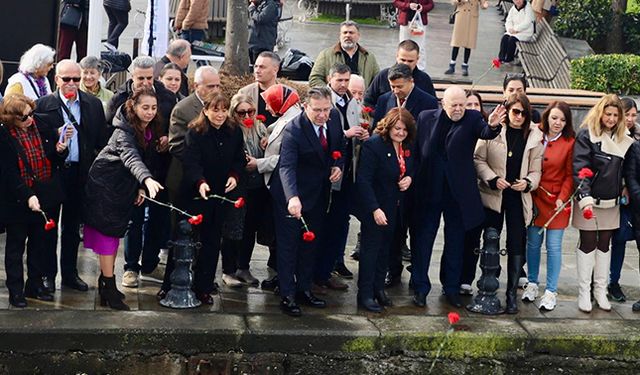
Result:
[[404, 93], [68, 106], [447, 181], [408, 53], [300, 188]]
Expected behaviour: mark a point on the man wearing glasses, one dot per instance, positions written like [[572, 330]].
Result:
[[56, 113]]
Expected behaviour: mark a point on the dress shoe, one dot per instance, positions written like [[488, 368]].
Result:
[[420, 299], [205, 298], [307, 298], [370, 304], [270, 284], [406, 253], [454, 300], [333, 283], [289, 306], [36, 290], [49, 284], [162, 294], [355, 254], [390, 280], [17, 300], [341, 270], [74, 282], [382, 298]]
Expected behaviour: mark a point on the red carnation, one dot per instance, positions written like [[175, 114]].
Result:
[[588, 213], [496, 63], [365, 125], [50, 224], [262, 118], [239, 203], [552, 196], [567, 209], [336, 155], [585, 173], [195, 220], [454, 318], [70, 95], [308, 236], [248, 122], [366, 109], [407, 153]]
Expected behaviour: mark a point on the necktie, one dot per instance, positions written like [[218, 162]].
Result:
[[323, 139]]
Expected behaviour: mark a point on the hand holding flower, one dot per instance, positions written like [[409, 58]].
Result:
[[295, 207], [153, 187], [204, 190], [34, 203], [336, 174]]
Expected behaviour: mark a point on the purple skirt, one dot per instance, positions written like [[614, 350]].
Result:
[[99, 243]]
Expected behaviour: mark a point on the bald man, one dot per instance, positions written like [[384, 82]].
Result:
[[446, 178]]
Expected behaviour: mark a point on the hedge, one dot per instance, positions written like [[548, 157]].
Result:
[[613, 73]]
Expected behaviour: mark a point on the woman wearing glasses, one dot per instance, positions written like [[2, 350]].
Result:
[[509, 168], [241, 226], [24, 164]]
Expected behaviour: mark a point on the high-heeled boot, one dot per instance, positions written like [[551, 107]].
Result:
[[513, 271], [600, 279], [584, 265], [100, 282], [109, 294]]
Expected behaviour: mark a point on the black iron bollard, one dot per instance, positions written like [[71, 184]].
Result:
[[486, 301], [181, 296]]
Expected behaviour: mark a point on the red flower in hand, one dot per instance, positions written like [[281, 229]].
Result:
[[365, 125], [50, 224], [496, 63], [70, 95], [552, 196], [454, 318], [195, 220], [262, 118], [588, 213], [248, 122], [336, 155], [585, 173], [566, 209], [239, 203], [366, 109], [308, 236]]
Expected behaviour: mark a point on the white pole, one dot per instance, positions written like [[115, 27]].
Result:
[[95, 28]]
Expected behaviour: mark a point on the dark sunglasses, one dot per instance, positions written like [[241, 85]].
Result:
[[518, 112], [250, 112], [25, 117], [67, 79]]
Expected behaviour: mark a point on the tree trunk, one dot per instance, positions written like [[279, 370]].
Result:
[[615, 43], [236, 50]]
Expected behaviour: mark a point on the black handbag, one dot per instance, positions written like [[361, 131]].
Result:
[[71, 16]]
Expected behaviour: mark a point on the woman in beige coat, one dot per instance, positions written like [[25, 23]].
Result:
[[465, 31], [509, 168]]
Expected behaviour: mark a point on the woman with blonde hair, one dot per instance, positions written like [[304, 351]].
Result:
[[601, 145]]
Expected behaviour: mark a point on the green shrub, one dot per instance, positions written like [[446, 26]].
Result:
[[614, 73], [584, 19], [633, 6], [631, 32]]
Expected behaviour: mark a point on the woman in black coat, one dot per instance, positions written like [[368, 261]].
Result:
[[24, 164], [213, 160], [384, 173], [117, 181]]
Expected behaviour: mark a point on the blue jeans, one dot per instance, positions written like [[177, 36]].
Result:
[[192, 35], [554, 255], [147, 234]]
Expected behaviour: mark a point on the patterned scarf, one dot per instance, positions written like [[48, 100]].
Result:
[[280, 98], [31, 144], [41, 83]]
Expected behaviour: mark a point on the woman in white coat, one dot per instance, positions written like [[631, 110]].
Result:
[[519, 26]]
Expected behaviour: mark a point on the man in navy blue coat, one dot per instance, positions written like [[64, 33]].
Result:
[[404, 93], [447, 181], [300, 188]]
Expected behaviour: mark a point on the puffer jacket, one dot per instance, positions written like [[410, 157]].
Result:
[[604, 156], [263, 24], [118, 4], [114, 179]]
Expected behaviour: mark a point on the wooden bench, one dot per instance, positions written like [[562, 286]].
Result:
[[544, 60], [381, 9]]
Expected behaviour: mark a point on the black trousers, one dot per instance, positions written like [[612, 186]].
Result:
[[512, 213], [31, 232], [375, 244], [118, 21], [69, 224], [207, 256], [507, 48]]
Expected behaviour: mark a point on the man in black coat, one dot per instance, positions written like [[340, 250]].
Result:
[[300, 188], [66, 107], [447, 181], [179, 53], [263, 26], [408, 53]]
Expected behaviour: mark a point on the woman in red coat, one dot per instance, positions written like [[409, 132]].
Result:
[[406, 11], [555, 188]]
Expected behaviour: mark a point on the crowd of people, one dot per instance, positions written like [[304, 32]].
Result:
[[267, 167]]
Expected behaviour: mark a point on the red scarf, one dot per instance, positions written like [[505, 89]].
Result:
[[31, 144]]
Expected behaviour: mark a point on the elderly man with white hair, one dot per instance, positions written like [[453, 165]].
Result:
[[31, 78], [447, 182]]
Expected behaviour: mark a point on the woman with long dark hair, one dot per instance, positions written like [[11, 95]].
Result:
[[509, 168], [118, 181]]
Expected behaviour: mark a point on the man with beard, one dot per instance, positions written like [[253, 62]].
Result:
[[347, 51]]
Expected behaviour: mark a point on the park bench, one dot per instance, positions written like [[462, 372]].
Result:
[[381, 9], [544, 60]]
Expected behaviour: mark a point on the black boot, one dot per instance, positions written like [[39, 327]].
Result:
[[355, 254], [513, 273], [109, 294], [100, 282], [35, 289]]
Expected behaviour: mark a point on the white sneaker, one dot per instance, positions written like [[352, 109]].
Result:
[[130, 279], [548, 301], [247, 277], [522, 282], [466, 290], [231, 281], [530, 292]]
